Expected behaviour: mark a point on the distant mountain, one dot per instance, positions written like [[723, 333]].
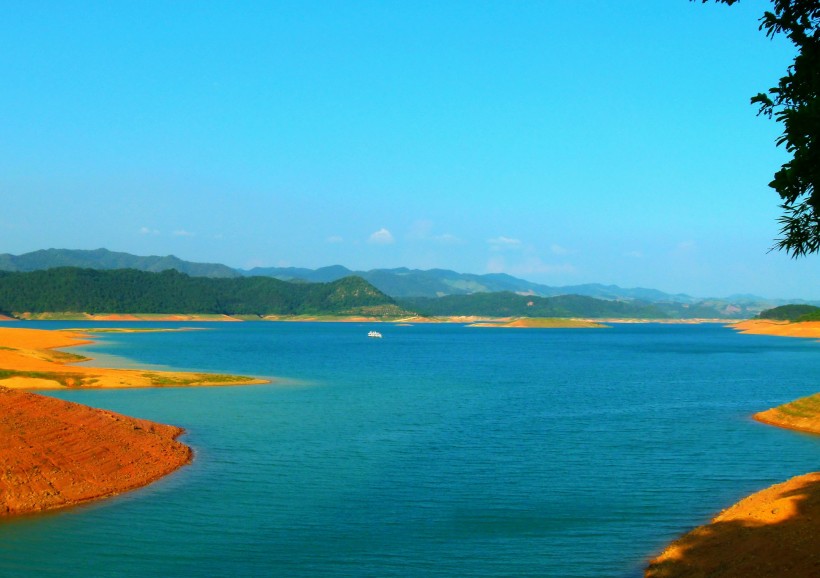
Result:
[[404, 283], [321, 275], [410, 285], [105, 259]]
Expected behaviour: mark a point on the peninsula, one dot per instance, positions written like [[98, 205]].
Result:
[[57, 453], [30, 359]]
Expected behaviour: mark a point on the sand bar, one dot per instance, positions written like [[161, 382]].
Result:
[[31, 359], [541, 323]]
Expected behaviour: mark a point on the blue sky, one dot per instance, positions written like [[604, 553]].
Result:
[[559, 141]]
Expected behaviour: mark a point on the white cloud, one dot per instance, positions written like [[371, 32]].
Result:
[[335, 239], [148, 231], [381, 237], [634, 254], [182, 233], [447, 239], [501, 243], [559, 250]]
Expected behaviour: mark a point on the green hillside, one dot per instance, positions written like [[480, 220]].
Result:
[[506, 304], [792, 313], [131, 291]]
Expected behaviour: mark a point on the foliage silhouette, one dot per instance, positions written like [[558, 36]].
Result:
[[794, 102], [131, 291]]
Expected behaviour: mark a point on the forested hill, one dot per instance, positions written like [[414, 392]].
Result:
[[411, 284], [130, 291], [796, 312], [507, 304]]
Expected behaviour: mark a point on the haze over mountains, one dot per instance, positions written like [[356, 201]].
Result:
[[417, 287]]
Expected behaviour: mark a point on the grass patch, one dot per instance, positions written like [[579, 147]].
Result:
[[130, 329], [65, 357], [194, 378], [64, 379], [807, 407]]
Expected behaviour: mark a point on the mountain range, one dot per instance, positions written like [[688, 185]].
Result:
[[411, 286]]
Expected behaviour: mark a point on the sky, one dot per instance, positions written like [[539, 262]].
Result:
[[559, 141]]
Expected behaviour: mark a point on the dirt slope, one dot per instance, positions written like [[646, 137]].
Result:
[[56, 453]]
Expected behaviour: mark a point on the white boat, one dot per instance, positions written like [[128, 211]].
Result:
[[375, 334]]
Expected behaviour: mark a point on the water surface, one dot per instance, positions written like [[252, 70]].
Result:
[[439, 450]]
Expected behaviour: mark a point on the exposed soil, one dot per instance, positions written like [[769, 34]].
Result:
[[57, 453], [770, 534], [801, 415], [810, 329], [773, 533]]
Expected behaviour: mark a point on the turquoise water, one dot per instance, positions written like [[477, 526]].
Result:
[[439, 450]]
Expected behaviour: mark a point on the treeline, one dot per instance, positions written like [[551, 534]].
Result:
[[130, 291], [792, 313], [507, 304]]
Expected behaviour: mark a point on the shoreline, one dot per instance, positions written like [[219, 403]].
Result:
[[33, 359], [101, 453], [330, 318], [58, 453], [770, 533], [801, 415], [805, 329]]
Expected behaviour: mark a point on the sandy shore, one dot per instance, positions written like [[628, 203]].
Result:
[[800, 415], [56, 453], [68, 316], [541, 323], [30, 359], [772, 533], [809, 329]]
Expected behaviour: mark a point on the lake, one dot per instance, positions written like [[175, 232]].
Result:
[[439, 450]]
